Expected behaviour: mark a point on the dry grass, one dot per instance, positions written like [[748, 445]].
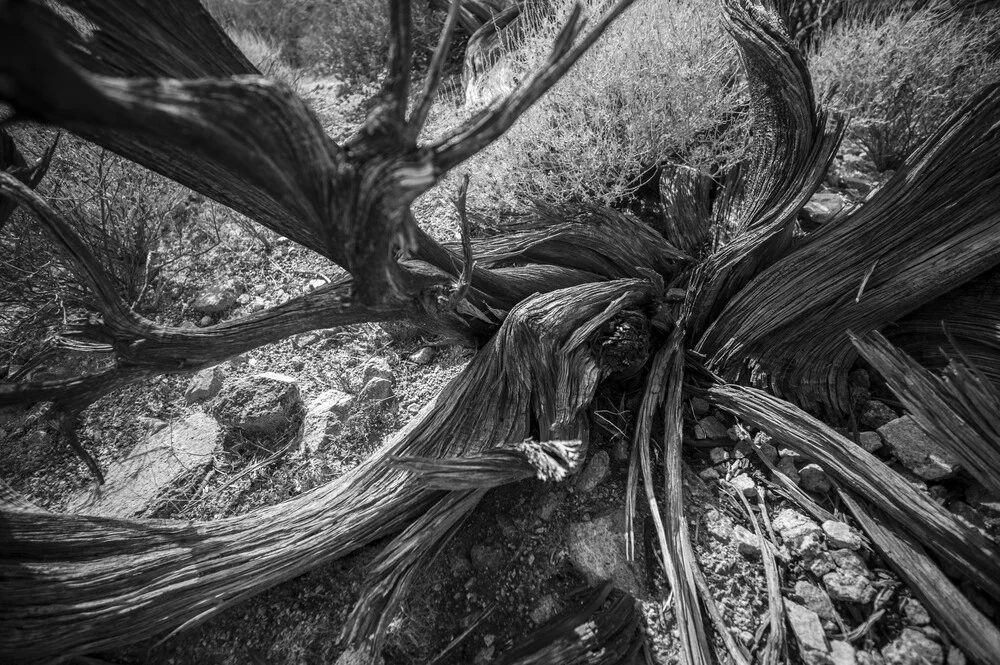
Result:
[[901, 74]]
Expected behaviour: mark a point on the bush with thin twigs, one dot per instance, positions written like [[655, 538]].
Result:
[[661, 85], [266, 56], [349, 38], [900, 74], [120, 210]]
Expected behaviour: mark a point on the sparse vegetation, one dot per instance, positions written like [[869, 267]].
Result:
[[900, 73]]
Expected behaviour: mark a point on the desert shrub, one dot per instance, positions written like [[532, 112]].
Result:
[[349, 38], [265, 56], [900, 74], [119, 209], [661, 85]]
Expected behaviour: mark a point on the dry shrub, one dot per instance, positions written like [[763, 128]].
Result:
[[901, 73], [265, 56], [660, 85]]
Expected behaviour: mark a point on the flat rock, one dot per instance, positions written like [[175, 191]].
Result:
[[134, 481], [597, 549], [917, 451], [709, 427], [807, 628], [262, 404], [874, 414], [216, 298], [912, 647], [204, 385], [596, 471], [816, 599], [324, 418], [840, 535]]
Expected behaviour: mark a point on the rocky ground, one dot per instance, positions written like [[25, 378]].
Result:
[[277, 421]]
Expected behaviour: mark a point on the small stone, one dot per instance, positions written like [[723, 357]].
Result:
[[297, 364], [709, 427], [789, 518], [917, 451], [860, 378], [263, 404], [306, 339], [424, 356], [216, 298], [816, 599], [243, 299], [849, 587], [812, 478], [746, 542], [801, 536], [377, 368], [314, 284], [744, 485], [718, 524], [870, 441], [913, 648], [718, 455], [956, 656], [822, 207], [841, 535], [377, 389], [205, 321], [791, 453], [486, 558], [764, 448], [806, 627], [204, 385], [709, 475], [786, 465], [915, 613], [968, 514], [699, 406], [849, 561], [869, 658], [858, 183], [842, 653], [820, 564], [324, 419], [597, 549], [546, 608], [594, 473], [874, 414], [549, 504]]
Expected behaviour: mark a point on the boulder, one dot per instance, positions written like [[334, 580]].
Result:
[[152, 465], [917, 451], [264, 404]]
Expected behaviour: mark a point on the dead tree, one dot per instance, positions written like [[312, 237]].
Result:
[[555, 308]]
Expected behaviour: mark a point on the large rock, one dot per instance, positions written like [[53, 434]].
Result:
[[204, 385], [916, 451], [151, 466], [597, 549], [216, 298], [264, 404], [325, 418]]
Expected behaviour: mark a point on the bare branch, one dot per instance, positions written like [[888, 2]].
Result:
[[396, 87], [433, 79]]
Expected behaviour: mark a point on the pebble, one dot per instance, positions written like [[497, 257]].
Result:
[[746, 542], [744, 485], [807, 628], [786, 465], [917, 451], [594, 473], [205, 321], [840, 535], [816, 599], [709, 427], [842, 653], [718, 525], [874, 414], [849, 587], [801, 536], [913, 648], [699, 406], [709, 475], [812, 478], [718, 455], [424, 356], [377, 389], [546, 608], [915, 613], [870, 441]]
